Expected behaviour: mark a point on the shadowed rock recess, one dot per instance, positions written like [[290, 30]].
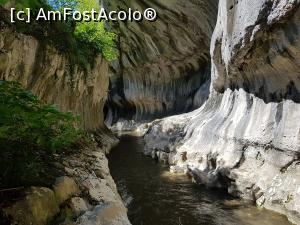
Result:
[[164, 64], [246, 136], [242, 79]]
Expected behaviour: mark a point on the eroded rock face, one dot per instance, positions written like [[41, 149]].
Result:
[[50, 75], [255, 47], [87, 187], [64, 188], [86, 192], [37, 208], [105, 214], [91, 171], [161, 67], [248, 131], [79, 206]]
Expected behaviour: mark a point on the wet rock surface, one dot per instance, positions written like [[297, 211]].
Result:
[[245, 137], [105, 214], [86, 194], [248, 131], [153, 195], [104, 205]]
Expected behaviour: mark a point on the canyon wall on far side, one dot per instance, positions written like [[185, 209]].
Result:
[[161, 67]]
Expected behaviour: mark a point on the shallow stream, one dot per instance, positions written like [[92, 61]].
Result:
[[156, 197]]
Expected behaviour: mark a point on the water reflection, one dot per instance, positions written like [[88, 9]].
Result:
[[154, 196]]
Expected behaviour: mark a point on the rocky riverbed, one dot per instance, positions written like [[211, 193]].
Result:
[[236, 64], [154, 195], [85, 194]]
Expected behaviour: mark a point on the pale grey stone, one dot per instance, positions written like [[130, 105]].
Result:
[[248, 132]]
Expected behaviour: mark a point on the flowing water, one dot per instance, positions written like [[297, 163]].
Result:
[[156, 197]]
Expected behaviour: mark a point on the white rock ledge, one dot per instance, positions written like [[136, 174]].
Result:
[[246, 137]]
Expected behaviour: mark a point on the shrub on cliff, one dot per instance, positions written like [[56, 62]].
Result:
[[81, 40], [91, 34], [30, 132], [25, 119]]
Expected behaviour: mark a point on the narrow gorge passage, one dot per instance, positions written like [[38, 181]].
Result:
[[155, 196], [212, 85]]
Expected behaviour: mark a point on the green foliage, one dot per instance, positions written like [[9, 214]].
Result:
[[30, 132], [81, 40], [25, 119], [91, 36], [32, 4], [2, 2], [94, 34]]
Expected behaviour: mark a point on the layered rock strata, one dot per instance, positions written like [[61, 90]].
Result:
[[52, 76], [161, 67], [246, 137], [86, 188]]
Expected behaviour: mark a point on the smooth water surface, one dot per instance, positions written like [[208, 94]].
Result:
[[156, 197]]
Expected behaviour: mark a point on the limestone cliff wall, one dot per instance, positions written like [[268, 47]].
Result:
[[246, 137], [50, 74], [161, 67]]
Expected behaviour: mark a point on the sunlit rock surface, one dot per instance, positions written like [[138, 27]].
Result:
[[161, 67], [248, 131]]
